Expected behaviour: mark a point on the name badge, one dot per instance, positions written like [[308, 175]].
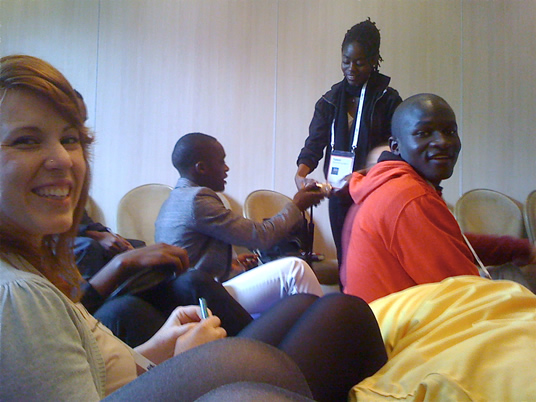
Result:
[[341, 164]]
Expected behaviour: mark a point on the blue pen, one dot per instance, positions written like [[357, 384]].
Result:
[[204, 309]]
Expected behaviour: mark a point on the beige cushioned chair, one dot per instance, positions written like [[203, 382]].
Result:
[[263, 204], [94, 211], [138, 210], [489, 212], [529, 215]]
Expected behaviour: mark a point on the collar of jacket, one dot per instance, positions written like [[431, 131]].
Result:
[[376, 85]]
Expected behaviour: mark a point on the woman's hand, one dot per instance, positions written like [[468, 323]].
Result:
[[183, 330], [301, 178], [207, 330], [302, 182]]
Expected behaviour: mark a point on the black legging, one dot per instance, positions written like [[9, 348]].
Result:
[[123, 314], [335, 340], [205, 368], [338, 208]]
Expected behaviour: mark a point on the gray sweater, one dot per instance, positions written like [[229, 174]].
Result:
[[47, 351]]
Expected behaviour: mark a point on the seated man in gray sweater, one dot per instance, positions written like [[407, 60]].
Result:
[[194, 218]]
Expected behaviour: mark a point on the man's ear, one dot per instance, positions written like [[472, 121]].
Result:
[[393, 144], [200, 167]]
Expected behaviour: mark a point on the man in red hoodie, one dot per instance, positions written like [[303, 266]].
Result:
[[400, 233]]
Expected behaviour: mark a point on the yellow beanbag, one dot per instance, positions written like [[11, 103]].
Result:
[[463, 339]]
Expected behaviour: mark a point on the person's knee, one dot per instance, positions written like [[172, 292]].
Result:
[[298, 267], [300, 277], [265, 363], [119, 308], [123, 315], [340, 302]]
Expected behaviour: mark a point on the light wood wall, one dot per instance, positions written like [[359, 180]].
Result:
[[249, 73]]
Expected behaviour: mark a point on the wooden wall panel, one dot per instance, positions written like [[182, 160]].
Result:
[[180, 67], [499, 94], [62, 32]]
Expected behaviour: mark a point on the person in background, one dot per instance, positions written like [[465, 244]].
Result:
[[194, 218], [401, 233], [96, 245], [51, 348], [349, 120]]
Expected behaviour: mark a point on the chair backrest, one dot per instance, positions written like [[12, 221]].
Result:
[[263, 204], [138, 210], [489, 212], [529, 215], [94, 211]]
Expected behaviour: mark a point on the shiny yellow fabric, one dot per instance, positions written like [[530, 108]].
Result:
[[463, 339]]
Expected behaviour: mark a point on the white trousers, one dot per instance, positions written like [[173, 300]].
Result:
[[260, 288]]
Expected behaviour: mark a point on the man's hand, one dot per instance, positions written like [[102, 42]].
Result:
[[126, 264], [111, 242], [248, 260], [155, 255], [308, 196]]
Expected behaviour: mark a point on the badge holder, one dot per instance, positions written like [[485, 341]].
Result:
[[341, 164]]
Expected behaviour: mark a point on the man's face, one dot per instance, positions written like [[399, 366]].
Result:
[[427, 139], [215, 169]]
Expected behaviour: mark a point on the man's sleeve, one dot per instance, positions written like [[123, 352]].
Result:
[[498, 250], [214, 220]]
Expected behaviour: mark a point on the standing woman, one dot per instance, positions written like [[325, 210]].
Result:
[[349, 120]]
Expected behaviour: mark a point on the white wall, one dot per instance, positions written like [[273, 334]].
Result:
[[250, 71]]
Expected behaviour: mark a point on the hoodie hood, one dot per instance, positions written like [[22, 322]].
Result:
[[389, 167]]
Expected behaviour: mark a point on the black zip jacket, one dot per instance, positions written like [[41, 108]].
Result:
[[378, 108]]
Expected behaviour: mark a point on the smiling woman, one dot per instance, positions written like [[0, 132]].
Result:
[[43, 160]]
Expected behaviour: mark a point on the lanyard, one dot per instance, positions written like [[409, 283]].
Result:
[[357, 120], [481, 266]]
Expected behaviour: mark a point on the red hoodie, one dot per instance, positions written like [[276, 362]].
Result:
[[399, 233]]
